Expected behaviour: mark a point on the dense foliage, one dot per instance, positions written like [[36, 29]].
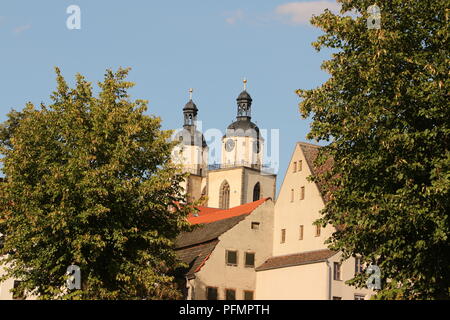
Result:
[[89, 181], [385, 113]]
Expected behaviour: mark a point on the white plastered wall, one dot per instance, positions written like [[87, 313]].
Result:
[[243, 238]]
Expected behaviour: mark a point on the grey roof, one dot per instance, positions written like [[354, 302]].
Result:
[[194, 248], [195, 256], [207, 232], [190, 136], [296, 259], [190, 105], [243, 128], [244, 96]]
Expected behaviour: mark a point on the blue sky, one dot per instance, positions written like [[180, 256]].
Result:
[[171, 46]]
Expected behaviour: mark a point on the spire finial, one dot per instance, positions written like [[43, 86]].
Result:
[[245, 83], [190, 93]]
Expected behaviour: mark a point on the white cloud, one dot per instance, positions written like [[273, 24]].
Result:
[[235, 16], [301, 12], [20, 29]]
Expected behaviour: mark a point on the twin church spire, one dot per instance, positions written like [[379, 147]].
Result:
[[244, 103], [241, 148]]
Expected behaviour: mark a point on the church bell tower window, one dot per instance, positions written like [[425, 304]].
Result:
[[224, 197], [257, 192]]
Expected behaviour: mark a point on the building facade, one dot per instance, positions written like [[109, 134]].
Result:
[[223, 252], [292, 260], [250, 244], [240, 177]]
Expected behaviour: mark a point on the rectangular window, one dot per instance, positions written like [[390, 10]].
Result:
[[249, 259], [337, 298], [359, 297], [248, 295], [300, 233], [299, 168], [283, 235], [358, 265], [292, 195], [317, 231], [295, 167], [231, 257], [337, 271], [211, 293], [255, 225], [302, 193], [230, 294]]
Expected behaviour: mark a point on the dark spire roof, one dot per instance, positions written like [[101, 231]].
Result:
[[243, 126], [190, 106], [244, 96], [190, 136]]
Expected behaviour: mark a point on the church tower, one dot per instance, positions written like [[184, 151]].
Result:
[[242, 143], [192, 152], [240, 179]]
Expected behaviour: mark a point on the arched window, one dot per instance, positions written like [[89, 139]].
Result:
[[224, 196], [256, 191], [204, 191]]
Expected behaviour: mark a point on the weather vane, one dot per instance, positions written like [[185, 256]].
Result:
[[245, 84], [190, 93]]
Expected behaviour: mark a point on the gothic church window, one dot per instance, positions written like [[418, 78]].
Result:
[[224, 197], [256, 192]]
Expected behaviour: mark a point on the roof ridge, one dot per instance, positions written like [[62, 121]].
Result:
[[307, 144], [302, 252], [224, 214], [295, 259]]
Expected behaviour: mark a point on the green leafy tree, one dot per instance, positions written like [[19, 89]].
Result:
[[385, 113], [89, 181]]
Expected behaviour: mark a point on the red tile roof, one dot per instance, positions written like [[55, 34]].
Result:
[[208, 215], [204, 211], [195, 247]]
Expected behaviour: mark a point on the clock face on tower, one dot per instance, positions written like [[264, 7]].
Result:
[[229, 145]]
